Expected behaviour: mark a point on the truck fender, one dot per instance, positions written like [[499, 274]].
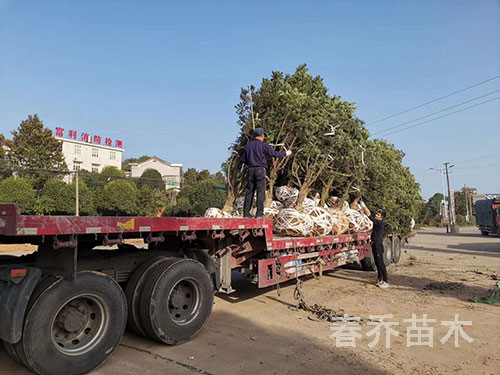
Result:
[[14, 299], [210, 266]]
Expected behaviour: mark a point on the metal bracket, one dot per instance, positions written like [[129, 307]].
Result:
[[257, 232], [188, 237], [244, 233], [107, 242], [219, 235], [150, 238]]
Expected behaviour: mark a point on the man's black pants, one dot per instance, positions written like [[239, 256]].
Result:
[[256, 181], [378, 255]]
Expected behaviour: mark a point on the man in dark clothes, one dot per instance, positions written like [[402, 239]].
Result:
[[255, 157], [377, 238]]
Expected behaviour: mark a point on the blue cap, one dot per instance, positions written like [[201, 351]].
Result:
[[258, 132]]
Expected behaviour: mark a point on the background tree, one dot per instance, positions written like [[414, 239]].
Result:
[[112, 171], [389, 185], [151, 201], [119, 197], [61, 196], [200, 190], [34, 147], [19, 190]]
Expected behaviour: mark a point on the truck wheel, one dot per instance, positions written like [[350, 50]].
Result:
[[43, 284], [74, 326], [176, 301], [396, 249], [387, 251], [368, 263], [134, 289]]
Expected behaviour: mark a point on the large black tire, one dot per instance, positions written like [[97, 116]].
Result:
[[396, 249], [484, 233], [387, 251], [368, 263], [134, 288], [42, 285], [176, 301], [74, 326]]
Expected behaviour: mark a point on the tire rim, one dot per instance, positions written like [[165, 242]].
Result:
[[184, 301], [80, 324]]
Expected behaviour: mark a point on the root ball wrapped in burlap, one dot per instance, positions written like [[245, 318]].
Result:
[[358, 222], [291, 222], [270, 212], [238, 205], [323, 221], [217, 213], [308, 205], [340, 221], [287, 195]]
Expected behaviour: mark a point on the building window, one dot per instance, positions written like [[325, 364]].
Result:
[[112, 155], [171, 183], [95, 152], [95, 168], [77, 165], [78, 149]]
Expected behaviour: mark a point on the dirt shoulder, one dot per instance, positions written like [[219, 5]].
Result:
[[257, 331]]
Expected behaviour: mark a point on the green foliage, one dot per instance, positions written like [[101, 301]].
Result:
[[389, 185], [297, 110], [119, 197], [126, 163], [44, 205], [18, 190], [201, 190], [33, 146], [112, 171], [152, 202], [61, 195], [431, 211], [88, 198], [151, 173]]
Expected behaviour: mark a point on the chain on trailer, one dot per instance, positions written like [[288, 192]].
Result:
[[318, 312]]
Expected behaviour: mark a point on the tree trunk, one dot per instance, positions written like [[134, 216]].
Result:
[[273, 175], [325, 192], [304, 190], [229, 205]]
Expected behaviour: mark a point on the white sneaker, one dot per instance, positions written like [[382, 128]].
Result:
[[383, 284], [378, 282]]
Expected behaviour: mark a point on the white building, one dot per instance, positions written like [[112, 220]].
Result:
[[170, 173], [88, 153]]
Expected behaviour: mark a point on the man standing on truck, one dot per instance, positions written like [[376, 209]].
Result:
[[377, 238], [255, 158]]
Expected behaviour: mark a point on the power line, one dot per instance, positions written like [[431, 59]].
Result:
[[479, 166], [434, 100], [481, 158], [440, 117], [435, 113]]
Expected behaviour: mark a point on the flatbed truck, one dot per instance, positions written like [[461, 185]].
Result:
[[64, 308]]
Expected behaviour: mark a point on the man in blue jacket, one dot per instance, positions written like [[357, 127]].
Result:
[[255, 157]]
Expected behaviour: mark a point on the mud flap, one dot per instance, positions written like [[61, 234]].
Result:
[[14, 300]]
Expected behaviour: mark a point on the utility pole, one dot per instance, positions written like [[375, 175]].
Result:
[[454, 227], [443, 201], [77, 197], [466, 197]]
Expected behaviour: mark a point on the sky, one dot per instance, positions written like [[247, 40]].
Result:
[[164, 77]]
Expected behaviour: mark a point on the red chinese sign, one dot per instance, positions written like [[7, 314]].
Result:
[[85, 137]]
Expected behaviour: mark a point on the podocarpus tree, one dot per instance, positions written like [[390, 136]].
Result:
[[389, 185], [297, 111], [34, 147]]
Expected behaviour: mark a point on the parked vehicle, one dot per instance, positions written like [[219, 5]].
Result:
[[64, 308], [488, 216]]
